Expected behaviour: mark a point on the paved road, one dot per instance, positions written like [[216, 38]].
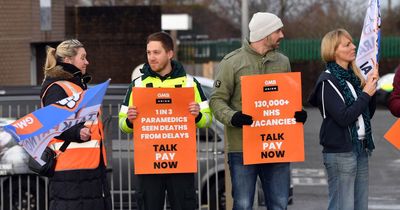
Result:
[[309, 177]]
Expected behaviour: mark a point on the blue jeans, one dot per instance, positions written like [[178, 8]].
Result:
[[275, 180], [347, 180]]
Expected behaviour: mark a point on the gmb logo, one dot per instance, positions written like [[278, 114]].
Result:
[[71, 101]]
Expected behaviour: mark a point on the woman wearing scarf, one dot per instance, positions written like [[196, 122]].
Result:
[[347, 103]]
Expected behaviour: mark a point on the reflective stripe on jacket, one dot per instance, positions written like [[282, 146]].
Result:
[[179, 79]]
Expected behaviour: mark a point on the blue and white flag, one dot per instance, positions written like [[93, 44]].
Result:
[[368, 48], [35, 130]]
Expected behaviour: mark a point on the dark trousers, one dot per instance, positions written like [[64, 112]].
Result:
[[180, 191]]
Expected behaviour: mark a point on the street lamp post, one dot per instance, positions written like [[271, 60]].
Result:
[[245, 19]]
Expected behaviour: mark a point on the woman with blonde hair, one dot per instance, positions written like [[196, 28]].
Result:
[[78, 178], [347, 103]]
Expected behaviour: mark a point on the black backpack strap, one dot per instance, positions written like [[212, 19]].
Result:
[[64, 146]]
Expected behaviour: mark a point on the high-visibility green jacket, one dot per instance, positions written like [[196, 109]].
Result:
[[177, 78]]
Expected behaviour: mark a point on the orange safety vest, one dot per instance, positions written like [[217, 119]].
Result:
[[85, 155]]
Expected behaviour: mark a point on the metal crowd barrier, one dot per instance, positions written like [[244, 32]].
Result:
[[26, 191]]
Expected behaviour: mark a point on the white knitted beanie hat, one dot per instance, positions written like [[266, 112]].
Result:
[[263, 24]]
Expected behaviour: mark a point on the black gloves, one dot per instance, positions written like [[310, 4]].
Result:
[[239, 119], [301, 116]]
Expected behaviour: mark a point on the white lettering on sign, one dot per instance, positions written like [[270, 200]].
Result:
[[165, 156], [270, 82], [163, 95], [272, 145], [24, 122]]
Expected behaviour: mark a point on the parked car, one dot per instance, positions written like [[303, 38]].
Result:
[[18, 185], [13, 158]]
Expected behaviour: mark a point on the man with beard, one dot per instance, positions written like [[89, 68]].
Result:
[[161, 71], [258, 55]]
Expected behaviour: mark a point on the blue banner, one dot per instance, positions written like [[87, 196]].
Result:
[[34, 131]]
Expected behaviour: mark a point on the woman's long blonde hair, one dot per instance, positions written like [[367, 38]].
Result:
[[330, 43], [68, 48]]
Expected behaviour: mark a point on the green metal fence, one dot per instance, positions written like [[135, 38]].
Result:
[[295, 49]]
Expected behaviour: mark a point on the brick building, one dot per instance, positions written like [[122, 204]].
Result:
[[114, 38], [20, 35]]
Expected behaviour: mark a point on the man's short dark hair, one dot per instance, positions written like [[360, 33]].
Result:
[[162, 37]]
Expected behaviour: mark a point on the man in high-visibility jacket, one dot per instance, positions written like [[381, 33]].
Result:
[[162, 71]]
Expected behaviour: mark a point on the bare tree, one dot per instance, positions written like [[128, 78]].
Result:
[[391, 21], [302, 18], [323, 16]]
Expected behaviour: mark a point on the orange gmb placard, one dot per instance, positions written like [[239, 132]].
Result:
[[274, 136], [164, 132], [392, 135]]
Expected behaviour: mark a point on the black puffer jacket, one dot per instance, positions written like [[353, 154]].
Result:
[[75, 189]]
